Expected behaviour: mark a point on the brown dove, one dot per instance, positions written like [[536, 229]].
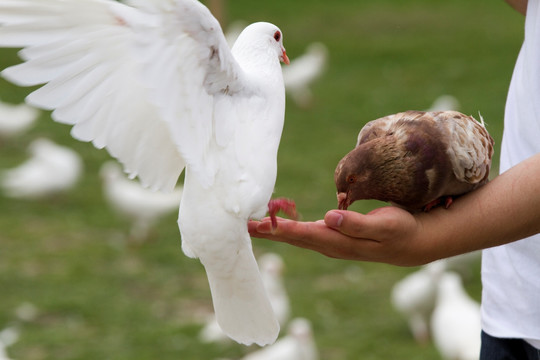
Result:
[[416, 160]]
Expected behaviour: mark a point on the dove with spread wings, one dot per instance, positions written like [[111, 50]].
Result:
[[155, 83]]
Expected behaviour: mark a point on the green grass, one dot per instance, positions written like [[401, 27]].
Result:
[[100, 299]]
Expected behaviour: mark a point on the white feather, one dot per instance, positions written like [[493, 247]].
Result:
[[271, 267], [156, 84]]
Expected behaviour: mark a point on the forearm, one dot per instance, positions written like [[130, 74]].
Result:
[[519, 5], [504, 210]]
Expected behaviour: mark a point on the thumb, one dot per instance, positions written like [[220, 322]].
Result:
[[369, 226]]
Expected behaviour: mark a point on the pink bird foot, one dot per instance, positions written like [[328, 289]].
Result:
[[448, 200], [286, 205]]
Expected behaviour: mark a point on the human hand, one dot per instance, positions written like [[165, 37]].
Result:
[[388, 234]]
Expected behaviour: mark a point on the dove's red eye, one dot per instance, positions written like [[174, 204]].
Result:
[[277, 35], [351, 179]]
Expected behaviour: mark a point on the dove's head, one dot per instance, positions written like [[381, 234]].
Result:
[[370, 171], [263, 36], [352, 177]]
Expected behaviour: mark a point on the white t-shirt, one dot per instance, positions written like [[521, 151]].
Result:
[[511, 273]]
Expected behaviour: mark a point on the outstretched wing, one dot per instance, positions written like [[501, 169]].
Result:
[[138, 80]]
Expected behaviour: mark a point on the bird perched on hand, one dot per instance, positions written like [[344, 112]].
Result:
[[156, 84], [143, 207], [50, 170], [415, 160]]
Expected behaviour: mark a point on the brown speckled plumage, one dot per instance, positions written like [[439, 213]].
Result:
[[414, 158]]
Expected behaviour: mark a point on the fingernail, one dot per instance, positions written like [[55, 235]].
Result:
[[333, 219]]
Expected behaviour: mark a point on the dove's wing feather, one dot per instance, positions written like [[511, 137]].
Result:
[[377, 128], [470, 147], [138, 81]]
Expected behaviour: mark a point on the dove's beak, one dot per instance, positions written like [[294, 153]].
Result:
[[343, 201], [285, 58]]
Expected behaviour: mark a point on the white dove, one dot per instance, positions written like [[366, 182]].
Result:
[[8, 337], [414, 297], [157, 85], [142, 206], [15, 119], [51, 169], [445, 103], [298, 344], [455, 322], [271, 266], [303, 71]]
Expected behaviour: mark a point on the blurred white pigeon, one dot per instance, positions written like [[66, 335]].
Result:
[[3, 353], [414, 297], [141, 206], [455, 323], [157, 85], [303, 71], [445, 103], [271, 266], [16, 119], [298, 344], [8, 337], [51, 169]]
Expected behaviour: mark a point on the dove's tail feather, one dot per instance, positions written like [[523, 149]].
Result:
[[242, 308]]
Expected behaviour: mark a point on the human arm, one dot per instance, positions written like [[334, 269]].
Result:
[[519, 5], [505, 210]]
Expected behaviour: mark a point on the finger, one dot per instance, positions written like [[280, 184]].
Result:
[[376, 225], [318, 237]]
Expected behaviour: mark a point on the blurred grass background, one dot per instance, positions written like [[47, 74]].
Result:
[[98, 298]]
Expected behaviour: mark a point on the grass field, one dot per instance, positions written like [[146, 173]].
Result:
[[98, 298]]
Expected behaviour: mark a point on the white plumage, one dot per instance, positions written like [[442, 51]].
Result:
[[303, 71], [141, 206], [298, 344], [16, 119], [455, 323], [414, 297], [157, 85], [271, 266], [51, 169]]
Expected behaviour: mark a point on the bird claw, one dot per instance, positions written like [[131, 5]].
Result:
[[286, 205], [448, 200]]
